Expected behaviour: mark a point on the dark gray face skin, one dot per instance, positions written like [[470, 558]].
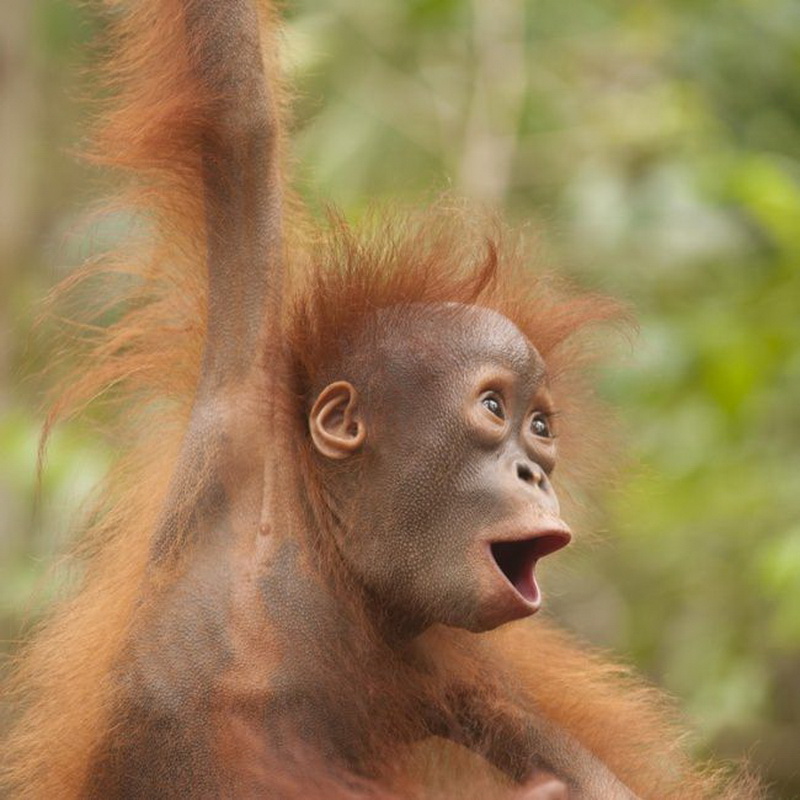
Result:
[[452, 506]]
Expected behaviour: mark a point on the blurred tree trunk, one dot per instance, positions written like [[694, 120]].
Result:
[[18, 103], [491, 131]]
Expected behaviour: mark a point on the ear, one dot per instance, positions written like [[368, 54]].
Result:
[[336, 427]]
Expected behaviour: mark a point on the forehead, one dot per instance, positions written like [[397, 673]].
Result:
[[483, 335], [463, 338]]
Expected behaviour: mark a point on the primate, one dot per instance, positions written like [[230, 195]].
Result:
[[311, 575]]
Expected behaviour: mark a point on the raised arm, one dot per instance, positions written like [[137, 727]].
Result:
[[240, 145], [227, 120]]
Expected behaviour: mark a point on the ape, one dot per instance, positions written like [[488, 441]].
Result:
[[339, 484]]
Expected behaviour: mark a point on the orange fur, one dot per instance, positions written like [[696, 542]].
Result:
[[149, 361], [631, 727], [450, 253]]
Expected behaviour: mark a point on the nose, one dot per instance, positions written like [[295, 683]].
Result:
[[534, 477]]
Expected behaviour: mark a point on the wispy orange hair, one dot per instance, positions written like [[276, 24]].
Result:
[[145, 365], [451, 252]]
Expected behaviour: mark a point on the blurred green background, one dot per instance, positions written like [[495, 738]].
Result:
[[654, 147]]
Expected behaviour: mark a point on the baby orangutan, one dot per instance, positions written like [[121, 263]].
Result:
[[311, 575], [422, 500]]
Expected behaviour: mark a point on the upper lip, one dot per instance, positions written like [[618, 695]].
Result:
[[516, 556]]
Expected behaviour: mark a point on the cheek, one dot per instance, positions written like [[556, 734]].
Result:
[[430, 497], [443, 489], [438, 515]]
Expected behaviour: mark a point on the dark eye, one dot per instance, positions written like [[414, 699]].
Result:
[[540, 426], [493, 403]]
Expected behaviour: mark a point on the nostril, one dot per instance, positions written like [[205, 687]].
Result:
[[524, 472]]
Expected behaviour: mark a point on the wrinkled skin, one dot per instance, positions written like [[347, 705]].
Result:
[[432, 441], [448, 414], [445, 433]]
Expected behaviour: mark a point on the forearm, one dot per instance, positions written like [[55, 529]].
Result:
[[526, 746]]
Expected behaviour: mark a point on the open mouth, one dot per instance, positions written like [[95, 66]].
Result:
[[517, 560]]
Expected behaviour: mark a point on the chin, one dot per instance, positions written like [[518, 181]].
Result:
[[496, 619], [493, 612]]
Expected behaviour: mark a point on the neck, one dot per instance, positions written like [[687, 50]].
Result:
[[317, 608], [278, 649]]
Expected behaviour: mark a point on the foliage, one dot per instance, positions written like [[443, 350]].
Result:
[[654, 149]]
